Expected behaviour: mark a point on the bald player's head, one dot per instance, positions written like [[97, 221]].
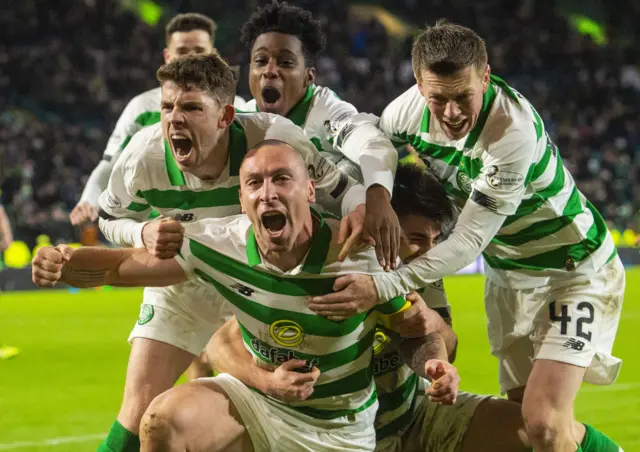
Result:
[[275, 193]]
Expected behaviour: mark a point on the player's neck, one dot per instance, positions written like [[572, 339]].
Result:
[[289, 259], [217, 161]]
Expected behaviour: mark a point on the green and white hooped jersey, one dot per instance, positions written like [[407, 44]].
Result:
[[509, 165], [147, 177], [141, 111], [322, 115], [276, 323], [400, 390]]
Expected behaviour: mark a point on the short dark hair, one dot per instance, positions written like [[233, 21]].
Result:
[[417, 192], [207, 72], [289, 20], [446, 48], [188, 22]]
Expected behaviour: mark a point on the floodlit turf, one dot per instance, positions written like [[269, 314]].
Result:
[[66, 385]]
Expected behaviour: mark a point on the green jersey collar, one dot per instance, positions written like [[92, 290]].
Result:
[[298, 114], [317, 254]]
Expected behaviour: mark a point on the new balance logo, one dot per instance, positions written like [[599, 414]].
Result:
[[243, 290], [184, 217], [574, 344]]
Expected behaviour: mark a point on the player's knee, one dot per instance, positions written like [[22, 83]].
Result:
[[544, 425], [161, 428]]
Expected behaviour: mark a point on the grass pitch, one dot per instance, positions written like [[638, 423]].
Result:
[[63, 391]]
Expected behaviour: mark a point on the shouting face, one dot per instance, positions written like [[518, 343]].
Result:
[[278, 77], [275, 192], [193, 123]]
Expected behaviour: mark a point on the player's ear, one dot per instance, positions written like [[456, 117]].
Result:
[[228, 114], [486, 78], [311, 76], [312, 191], [167, 56]]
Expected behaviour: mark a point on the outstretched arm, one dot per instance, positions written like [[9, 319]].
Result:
[[475, 228], [93, 267]]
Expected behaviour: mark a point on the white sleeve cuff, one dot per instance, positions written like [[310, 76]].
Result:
[[137, 235], [388, 285], [372, 174], [355, 196]]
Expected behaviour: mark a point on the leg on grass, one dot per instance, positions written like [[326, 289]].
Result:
[[196, 416], [153, 368]]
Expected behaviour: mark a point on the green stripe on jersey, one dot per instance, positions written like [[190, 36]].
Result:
[[326, 362], [396, 425], [188, 199], [137, 207], [542, 229], [357, 381], [311, 323], [529, 206], [148, 118], [290, 285], [392, 400], [558, 258], [298, 113], [145, 119]]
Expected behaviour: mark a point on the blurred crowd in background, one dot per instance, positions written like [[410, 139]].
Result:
[[68, 68]]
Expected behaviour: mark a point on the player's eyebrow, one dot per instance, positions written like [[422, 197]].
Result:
[[280, 51]]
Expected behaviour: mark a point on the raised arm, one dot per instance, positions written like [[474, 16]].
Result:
[[94, 266], [496, 194]]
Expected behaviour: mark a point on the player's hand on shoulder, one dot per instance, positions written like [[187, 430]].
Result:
[[82, 213], [416, 321], [376, 224], [47, 264], [288, 384], [351, 229], [354, 294], [444, 381], [163, 237], [382, 227]]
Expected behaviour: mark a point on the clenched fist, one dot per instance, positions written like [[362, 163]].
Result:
[[47, 265], [163, 237], [288, 385]]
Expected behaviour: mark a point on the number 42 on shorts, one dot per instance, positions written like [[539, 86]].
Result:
[[564, 318]]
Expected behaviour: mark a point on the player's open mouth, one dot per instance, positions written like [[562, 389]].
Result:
[[274, 222], [270, 96], [182, 146], [455, 127]]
